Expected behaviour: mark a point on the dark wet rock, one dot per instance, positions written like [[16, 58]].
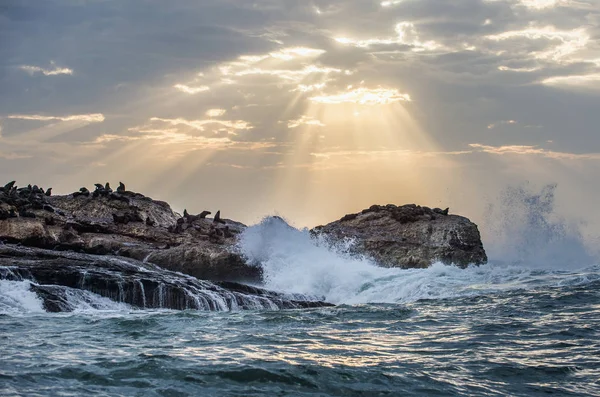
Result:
[[57, 276], [409, 236]]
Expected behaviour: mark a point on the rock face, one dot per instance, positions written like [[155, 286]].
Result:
[[125, 224], [64, 279], [409, 236]]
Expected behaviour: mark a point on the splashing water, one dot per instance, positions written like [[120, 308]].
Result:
[[523, 228], [16, 297], [293, 261]]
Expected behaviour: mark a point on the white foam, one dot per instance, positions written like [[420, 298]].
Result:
[[16, 297], [294, 262]]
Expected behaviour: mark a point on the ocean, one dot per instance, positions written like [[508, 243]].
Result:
[[507, 328]]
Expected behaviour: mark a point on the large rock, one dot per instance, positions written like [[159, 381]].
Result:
[[409, 236], [126, 224]]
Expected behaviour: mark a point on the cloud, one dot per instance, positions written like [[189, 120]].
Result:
[[183, 141], [293, 75], [532, 150], [304, 120], [573, 80], [561, 43], [389, 3], [201, 124], [364, 96], [46, 72], [13, 156], [518, 70], [538, 5], [406, 34], [215, 112], [503, 122], [90, 118], [191, 90]]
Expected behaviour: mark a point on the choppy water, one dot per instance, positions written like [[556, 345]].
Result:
[[537, 341], [525, 329]]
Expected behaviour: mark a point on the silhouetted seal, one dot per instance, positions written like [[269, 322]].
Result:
[[203, 214], [185, 213], [217, 218], [82, 192], [8, 187], [48, 192], [441, 211], [121, 188], [107, 188]]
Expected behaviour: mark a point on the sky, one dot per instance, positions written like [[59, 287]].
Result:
[[307, 109]]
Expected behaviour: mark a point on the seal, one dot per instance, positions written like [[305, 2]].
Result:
[[82, 192], [8, 187], [203, 214], [107, 188], [217, 218], [48, 192], [440, 211], [121, 188]]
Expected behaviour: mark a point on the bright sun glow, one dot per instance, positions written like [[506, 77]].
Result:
[[364, 96]]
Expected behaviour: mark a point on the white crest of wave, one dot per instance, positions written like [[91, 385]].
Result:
[[293, 261], [87, 302], [16, 297]]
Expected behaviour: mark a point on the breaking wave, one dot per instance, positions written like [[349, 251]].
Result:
[[534, 248], [17, 297]]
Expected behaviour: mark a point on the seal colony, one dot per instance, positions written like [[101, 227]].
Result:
[[18, 202], [130, 226]]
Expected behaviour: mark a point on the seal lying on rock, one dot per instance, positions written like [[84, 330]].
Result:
[[441, 211], [82, 192]]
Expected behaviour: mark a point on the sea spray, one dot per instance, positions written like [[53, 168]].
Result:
[[522, 227], [17, 297], [294, 261]]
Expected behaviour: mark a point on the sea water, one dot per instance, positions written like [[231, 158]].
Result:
[[522, 325]]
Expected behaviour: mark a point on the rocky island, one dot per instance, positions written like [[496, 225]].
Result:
[[130, 248]]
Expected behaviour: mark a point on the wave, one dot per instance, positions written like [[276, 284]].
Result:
[[17, 297], [293, 261]]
